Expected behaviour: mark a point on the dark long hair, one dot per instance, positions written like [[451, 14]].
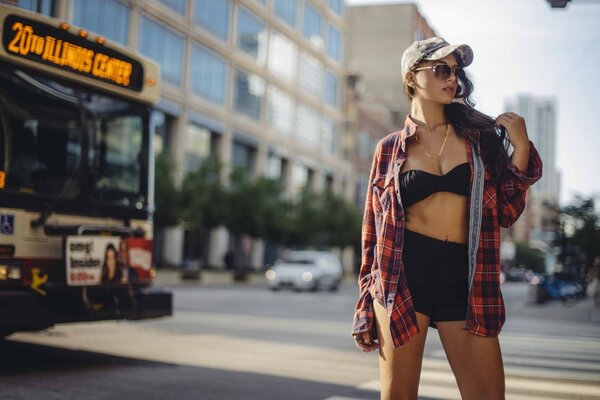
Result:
[[493, 141], [118, 273]]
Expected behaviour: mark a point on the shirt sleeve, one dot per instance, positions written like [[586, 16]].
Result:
[[513, 188], [364, 312]]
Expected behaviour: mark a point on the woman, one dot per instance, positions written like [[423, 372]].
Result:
[[110, 270], [439, 191]]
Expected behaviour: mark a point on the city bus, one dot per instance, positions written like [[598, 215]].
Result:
[[76, 177]]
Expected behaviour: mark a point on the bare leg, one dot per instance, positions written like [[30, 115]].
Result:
[[399, 369], [475, 360]]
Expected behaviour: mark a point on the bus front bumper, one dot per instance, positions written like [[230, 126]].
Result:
[[28, 311]]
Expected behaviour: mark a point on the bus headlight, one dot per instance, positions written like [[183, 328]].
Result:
[[10, 272]]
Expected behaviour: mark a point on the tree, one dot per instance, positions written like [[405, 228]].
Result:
[[251, 203], [203, 197], [534, 259], [580, 232]]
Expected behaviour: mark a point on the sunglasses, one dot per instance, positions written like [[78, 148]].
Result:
[[441, 71]]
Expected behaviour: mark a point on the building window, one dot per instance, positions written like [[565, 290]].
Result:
[[243, 157], [283, 56], [45, 7], [286, 10], [299, 178], [177, 5], [162, 124], [334, 43], [313, 26], [337, 6], [328, 136], [249, 91], [208, 74], [165, 46], [274, 168], [309, 126], [362, 180], [310, 74], [109, 18], [281, 111], [251, 35], [331, 88], [213, 16], [197, 146], [364, 145]]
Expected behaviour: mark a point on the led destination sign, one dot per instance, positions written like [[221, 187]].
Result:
[[45, 44]]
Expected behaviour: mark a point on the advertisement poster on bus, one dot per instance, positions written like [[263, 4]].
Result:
[[97, 260]]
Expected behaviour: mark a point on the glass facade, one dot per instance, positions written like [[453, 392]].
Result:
[[251, 35], [309, 126], [299, 178], [310, 74], [274, 168], [283, 56], [197, 146], [337, 6], [331, 88], [334, 43], [213, 16], [208, 74], [40, 6], [176, 5], [164, 45], [109, 18], [248, 94], [364, 145], [286, 10], [281, 111], [328, 136], [162, 125], [243, 156], [313, 26]]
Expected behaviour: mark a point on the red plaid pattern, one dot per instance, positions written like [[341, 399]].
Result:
[[382, 276]]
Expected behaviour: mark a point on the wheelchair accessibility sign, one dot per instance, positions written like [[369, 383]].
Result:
[[7, 224]]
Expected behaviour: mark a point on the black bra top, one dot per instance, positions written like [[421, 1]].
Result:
[[415, 185]]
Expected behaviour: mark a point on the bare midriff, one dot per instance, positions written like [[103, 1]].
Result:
[[442, 215]]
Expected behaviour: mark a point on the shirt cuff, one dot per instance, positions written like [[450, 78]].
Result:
[[523, 179]]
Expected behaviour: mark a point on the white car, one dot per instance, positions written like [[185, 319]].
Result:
[[306, 270]]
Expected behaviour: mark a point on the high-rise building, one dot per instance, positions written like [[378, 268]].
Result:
[[540, 118], [258, 82], [540, 221]]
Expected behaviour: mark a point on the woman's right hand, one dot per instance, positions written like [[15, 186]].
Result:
[[365, 342]]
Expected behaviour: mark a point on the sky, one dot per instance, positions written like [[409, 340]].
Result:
[[526, 47]]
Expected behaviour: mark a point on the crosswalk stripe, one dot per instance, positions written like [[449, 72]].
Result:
[[436, 383]]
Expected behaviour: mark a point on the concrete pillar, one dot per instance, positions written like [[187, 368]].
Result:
[[258, 253], [219, 238], [173, 245]]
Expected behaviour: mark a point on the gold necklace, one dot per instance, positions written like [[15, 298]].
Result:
[[443, 144]]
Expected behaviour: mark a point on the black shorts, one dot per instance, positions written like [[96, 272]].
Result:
[[437, 272]]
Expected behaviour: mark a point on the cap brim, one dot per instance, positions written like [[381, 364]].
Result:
[[463, 53]]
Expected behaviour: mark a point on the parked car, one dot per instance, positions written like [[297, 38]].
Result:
[[306, 270]]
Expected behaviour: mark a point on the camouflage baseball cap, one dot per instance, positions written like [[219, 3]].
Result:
[[433, 49]]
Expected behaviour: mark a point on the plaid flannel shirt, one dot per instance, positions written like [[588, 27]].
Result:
[[382, 275]]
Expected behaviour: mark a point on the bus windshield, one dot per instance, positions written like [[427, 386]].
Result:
[[62, 139]]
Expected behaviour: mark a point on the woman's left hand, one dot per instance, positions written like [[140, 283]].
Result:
[[515, 127]]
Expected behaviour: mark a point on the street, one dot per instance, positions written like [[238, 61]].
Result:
[[241, 341]]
